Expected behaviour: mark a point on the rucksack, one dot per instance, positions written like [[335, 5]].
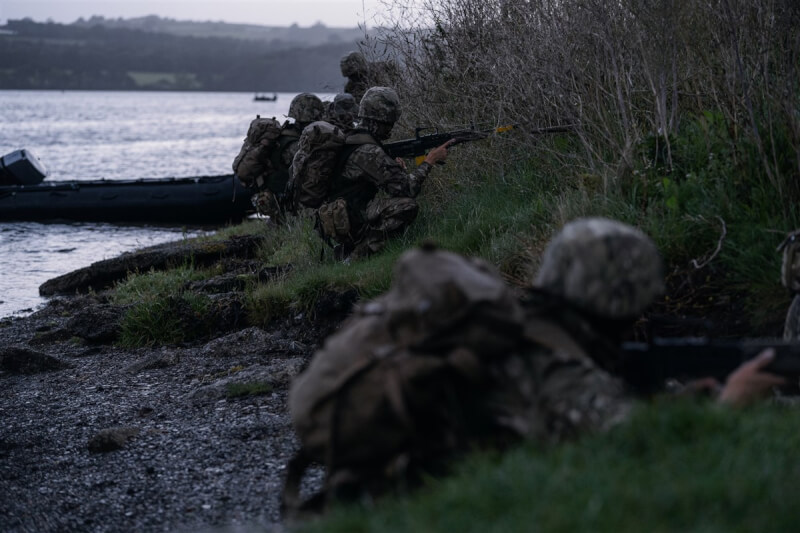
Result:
[[258, 163], [323, 149], [389, 388]]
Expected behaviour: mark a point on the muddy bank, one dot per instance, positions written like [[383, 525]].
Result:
[[180, 438]]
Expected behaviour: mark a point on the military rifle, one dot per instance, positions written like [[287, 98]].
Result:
[[647, 367], [419, 145]]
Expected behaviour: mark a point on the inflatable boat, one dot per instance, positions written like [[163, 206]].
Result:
[[200, 200], [25, 196]]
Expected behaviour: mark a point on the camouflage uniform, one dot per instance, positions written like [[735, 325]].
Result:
[[559, 391], [448, 359], [597, 276], [367, 170], [272, 200], [355, 68], [790, 278], [374, 218], [342, 112]]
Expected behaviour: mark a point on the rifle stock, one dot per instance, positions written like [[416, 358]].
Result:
[[647, 366]]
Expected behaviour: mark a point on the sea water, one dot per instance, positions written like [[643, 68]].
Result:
[[87, 135]]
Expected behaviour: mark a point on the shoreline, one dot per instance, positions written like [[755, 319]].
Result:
[[97, 437]]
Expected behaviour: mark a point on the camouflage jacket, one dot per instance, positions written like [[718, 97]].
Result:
[[291, 146], [369, 169], [356, 86], [553, 390]]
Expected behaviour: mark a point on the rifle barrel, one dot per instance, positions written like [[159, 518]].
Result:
[[648, 366]]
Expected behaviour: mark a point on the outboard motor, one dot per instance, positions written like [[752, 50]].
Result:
[[21, 167]]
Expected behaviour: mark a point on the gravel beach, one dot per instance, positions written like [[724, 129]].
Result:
[[180, 438]]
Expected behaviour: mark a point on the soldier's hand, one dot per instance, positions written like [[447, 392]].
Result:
[[749, 383], [439, 153], [401, 162]]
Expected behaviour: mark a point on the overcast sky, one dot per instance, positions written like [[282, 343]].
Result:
[[335, 13]]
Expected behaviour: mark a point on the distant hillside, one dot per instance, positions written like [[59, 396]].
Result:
[[91, 57], [277, 37]]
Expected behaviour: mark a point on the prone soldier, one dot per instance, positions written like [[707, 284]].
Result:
[[449, 359]]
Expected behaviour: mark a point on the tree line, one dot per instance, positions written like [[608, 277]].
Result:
[[37, 55]]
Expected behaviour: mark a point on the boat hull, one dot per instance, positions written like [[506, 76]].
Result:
[[202, 200]]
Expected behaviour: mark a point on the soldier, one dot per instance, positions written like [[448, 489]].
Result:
[[448, 359], [342, 112], [596, 278], [790, 278], [355, 68], [272, 201], [352, 215]]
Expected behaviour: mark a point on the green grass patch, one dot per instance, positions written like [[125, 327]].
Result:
[[674, 467], [240, 390], [161, 311]]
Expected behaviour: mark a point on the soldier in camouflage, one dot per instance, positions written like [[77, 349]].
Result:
[[355, 68], [596, 278], [448, 360], [272, 201], [790, 278], [370, 219], [342, 111]]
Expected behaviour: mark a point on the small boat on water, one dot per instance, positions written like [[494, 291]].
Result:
[[265, 98], [200, 200], [25, 196]]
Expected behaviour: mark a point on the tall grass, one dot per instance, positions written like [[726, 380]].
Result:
[[711, 214], [674, 467]]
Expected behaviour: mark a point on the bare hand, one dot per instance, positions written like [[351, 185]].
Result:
[[439, 153], [401, 162], [748, 383]]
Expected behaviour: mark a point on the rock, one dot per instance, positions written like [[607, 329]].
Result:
[[98, 324], [20, 360], [108, 440], [225, 313], [103, 274], [252, 341], [237, 280], [277, 374], [335, 303]]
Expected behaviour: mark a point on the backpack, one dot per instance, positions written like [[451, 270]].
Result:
[[258, 163], [390, 387], [322, 151]]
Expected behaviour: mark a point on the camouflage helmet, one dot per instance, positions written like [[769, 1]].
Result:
[[381, 104], [306, 107], [353, 64], [604, 267], [344, 107]]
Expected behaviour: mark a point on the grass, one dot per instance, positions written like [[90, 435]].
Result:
[[241, 390], [161, 311], [674, 467], [699, 203]]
